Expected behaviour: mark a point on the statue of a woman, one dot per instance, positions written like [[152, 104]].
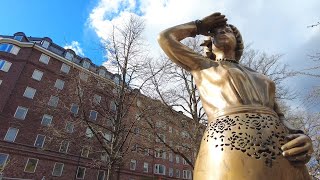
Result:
[[247, 137]]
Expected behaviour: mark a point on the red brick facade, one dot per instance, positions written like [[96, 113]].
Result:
[[12, 88]]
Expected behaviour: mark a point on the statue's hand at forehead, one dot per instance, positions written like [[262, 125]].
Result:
[[206, 25]]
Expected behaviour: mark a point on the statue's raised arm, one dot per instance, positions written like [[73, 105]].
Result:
[[169, 41]]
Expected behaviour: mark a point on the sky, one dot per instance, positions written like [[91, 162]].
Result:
[[271, 26]]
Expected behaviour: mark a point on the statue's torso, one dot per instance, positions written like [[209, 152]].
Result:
[[230, 85]]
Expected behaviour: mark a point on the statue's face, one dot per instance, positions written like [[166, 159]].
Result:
[[224, 38]]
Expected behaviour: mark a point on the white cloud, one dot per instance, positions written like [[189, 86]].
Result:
[[75, 46], [272, 26]]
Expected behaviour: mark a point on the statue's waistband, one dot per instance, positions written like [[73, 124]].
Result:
[[245, 109]]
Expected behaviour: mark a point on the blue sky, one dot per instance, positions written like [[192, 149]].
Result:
[[63, 21]]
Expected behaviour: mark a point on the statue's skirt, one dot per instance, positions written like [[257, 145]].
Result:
[[245, 146]]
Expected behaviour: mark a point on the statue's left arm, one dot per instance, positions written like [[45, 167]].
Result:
[[299, 148]]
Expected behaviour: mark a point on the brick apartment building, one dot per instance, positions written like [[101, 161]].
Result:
[[39, 81]]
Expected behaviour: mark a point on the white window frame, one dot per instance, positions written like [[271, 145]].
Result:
[[37, 75], [170, 157], [170, 172], [68, 144], [35, 167], [65, 68], [45, 44], [89, 133], [44, 139], [69, 127], [24, 113], [91, 117], [15, 135], [59, 84], [102, 72], [84, 172], [53, 101], [69, 56], [145, 167], [133, 164], [178, 173], [47, 117], [2, 166], [5, 65], [157, 169], [86, 64], [0, 81], [85, 151], [177, 159], [29, 92], [83, 76], [10, 48], [61, 171], [159, 153], [73, 104], [18, 38], [186, 174], [96, 99], [44, 58], [104, 174]]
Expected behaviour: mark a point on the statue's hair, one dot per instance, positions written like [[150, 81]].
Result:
[[239, 47]]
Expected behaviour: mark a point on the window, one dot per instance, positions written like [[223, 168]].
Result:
[[170, 172], [65, 68], [170, 129], [9, 48], [86, 64], [46, 120], [85, 151], [145, 167], [45, 44], [18, 38], [81, 172], [37, 75], [93, 115], [133, 164], [83, 76], [39, 141], [3, 160], [21, 113], [96, 99], [11, 134], [64, 146], [113, 106], [69, 56], [101, 175], [104, 157], [159, 169], [186, 174], [57, 169], [5, 65], [53, 101], [44, 59], [89, 133], [74, 108], [69, 127], [184, 161], [146, 152], [0, 81], [170, 157], [177, 173], [162, 137], [160, 154], [59, 84], [177, 159], [29, 92], [102, 72], [31, 165], [107, 136]]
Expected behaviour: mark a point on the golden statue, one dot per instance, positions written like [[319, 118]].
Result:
[[247, 137]]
